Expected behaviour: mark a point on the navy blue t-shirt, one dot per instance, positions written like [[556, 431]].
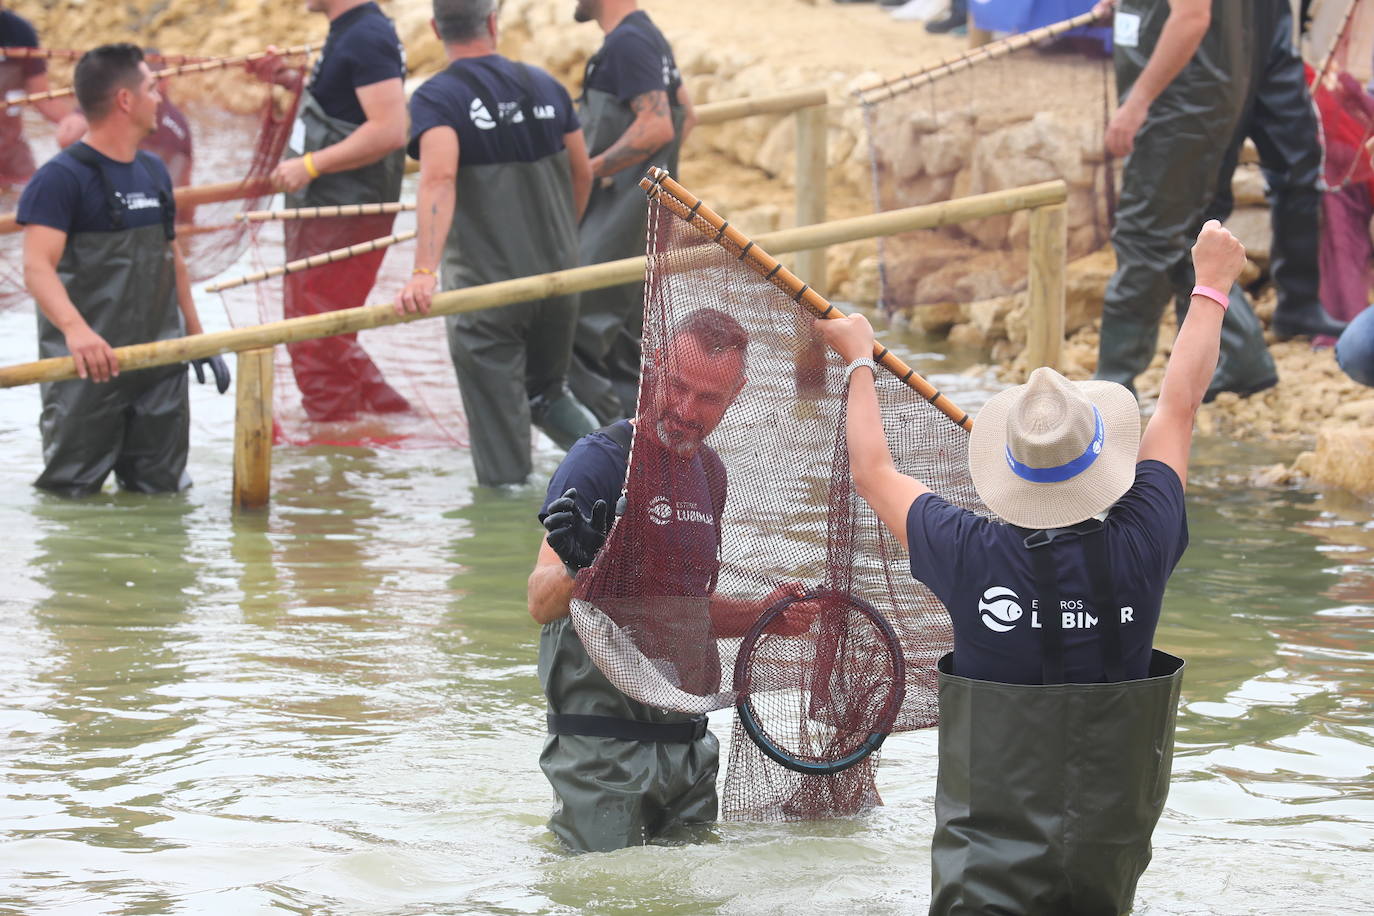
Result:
[[68, 195], [675, 514], [362, 49], [634, 59], [17, 32], [982, 572], [447, 100]]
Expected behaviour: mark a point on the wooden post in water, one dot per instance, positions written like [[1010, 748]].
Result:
[[810, 265], [1049, 231], [253, 429]]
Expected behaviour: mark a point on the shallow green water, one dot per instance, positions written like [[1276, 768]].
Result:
[[332, 707]]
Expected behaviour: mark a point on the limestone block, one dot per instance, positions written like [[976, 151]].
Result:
[[778, 154], [937, 319], [1085, 284], [1251, 226], [989, 316], [967, 336], [1344, 458], [1248, 186]]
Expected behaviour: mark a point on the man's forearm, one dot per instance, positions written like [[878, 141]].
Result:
[[869, 457], [46, 287], [434, 216], [549, 592], [369, 143], [651, 130]]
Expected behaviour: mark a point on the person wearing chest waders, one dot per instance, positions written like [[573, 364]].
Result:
[[1183, 75], [20, 76], [624, 773], [101, 260], [636, 113], [503, 180], [1056, 714], [347, 147]]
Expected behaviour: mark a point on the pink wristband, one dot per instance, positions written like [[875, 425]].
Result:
[[1216, 296]]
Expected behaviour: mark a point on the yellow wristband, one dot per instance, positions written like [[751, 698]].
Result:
[[423, 270], [308, 160]]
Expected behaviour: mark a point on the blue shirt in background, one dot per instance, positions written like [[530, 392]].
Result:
[[982, 572], [361, 49], [634, 59]]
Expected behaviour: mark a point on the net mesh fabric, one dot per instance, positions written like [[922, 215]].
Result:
[[989, 125], [1344, 95], [788, 518], [239, 127]]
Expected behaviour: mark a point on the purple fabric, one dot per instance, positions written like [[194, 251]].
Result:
[[1346, 250]]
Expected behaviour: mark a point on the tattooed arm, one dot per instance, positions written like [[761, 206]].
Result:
[[651, 130], [433, 216]]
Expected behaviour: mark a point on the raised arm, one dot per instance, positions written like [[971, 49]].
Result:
[[889, 492], [1218, 258], [1183, 32]]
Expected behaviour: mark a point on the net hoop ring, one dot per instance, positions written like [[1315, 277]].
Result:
[[749, 721]]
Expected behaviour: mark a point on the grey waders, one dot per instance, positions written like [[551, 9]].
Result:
[[336, 377], [1048, 794], [606, 352], [1167, 183], [513, 219], [138, 423]]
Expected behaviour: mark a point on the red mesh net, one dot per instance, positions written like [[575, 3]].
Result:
[[995, 122], [1342, 92], [238, 125], [764, 507]]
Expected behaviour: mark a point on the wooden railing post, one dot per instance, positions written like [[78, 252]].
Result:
[[253, 430], [810, 265], [1049, 231]]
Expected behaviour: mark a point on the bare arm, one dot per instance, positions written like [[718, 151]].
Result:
[[1183, 31], [550, 587], [43, 247], [581, 171], [689, 112], [71, 124], [877, 480], [651, 130], [1218, 258], [185, 300], [433, 216], [383, 131]]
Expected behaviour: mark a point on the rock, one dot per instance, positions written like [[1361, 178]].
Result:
[[989, 316], [1085, 284], [1344, 458], [1248, 187], [937, 319], [1251, 226], [967, 336]]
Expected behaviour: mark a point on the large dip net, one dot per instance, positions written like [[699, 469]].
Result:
[[236, 124], [1023, 110], [773, 479]]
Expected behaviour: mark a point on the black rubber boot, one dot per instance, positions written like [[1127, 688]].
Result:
[[956, 18], [1306, 320]]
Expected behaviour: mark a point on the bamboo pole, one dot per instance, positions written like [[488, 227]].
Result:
[[1049, 239], [263, 216], [253, 429], [1331, 51], [811, 200], [888, 88], [185, 197], [782, 103], [218, 63], [74, 54], [706, 221], [315, 260], [526, 289]]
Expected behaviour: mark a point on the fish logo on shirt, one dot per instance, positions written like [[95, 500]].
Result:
[[480, 116], [999, 609]]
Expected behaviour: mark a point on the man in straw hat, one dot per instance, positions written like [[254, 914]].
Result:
[[1056, 716]]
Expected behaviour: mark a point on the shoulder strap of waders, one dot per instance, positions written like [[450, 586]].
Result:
[[1041, 547], [91, 159], [165, 200]]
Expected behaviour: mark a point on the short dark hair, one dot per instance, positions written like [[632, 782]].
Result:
[[715, 330], [461, 20], [101, 72]]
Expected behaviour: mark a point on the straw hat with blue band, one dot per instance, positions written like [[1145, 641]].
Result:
[[1051, 453]]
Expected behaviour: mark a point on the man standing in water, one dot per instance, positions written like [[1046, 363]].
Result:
[[635, 113], [349, 143], [27, 76], [1056, 715], [503, 179], [623, 772], [101, 259]]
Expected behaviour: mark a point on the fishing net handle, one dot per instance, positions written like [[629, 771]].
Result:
[[692, 210], [889, 88]]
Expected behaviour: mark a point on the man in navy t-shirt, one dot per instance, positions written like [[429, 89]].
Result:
[[636, 113], [659, 773], [100, 258], [1063, 590], [346, 149], [26, 76], [503, 179]]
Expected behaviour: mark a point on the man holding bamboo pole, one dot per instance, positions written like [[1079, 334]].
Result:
[[101, 259], [348, 149], [636, 113], [503, 179]]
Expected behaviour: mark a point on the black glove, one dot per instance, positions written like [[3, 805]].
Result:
[[574, 537], [218, 367]]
